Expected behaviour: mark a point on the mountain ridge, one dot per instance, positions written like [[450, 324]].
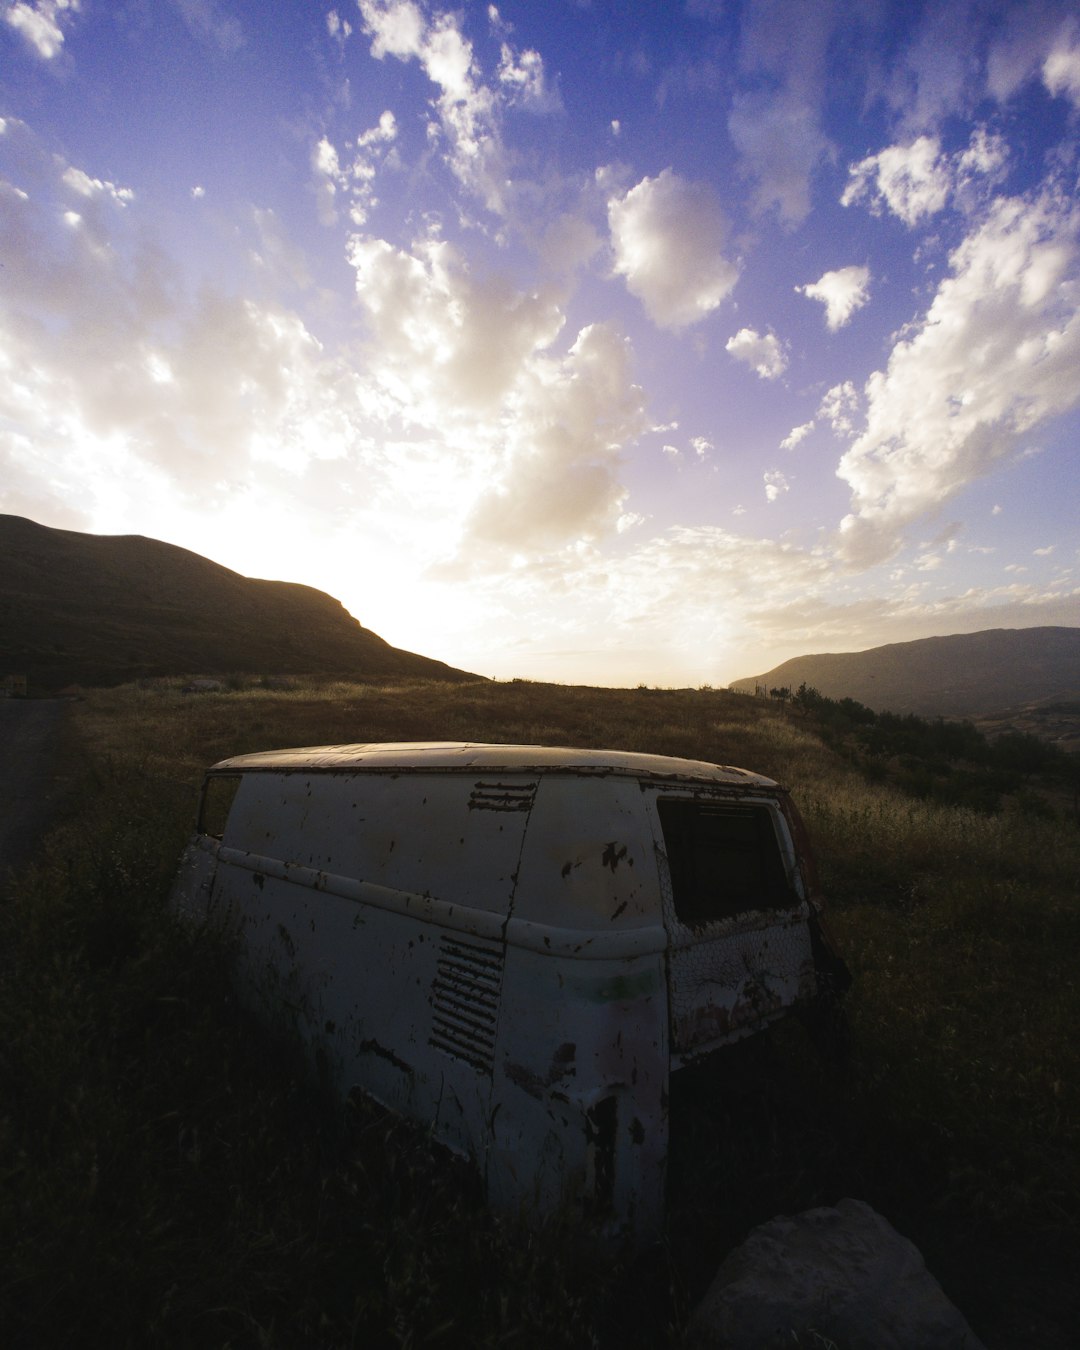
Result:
[[103, 609], [958, 675]]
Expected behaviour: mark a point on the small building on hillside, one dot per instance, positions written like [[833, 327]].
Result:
[[13, 686]]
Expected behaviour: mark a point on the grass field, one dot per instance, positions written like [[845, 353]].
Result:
[[171, 1178]]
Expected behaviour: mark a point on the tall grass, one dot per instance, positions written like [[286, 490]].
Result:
[[172, 1178]]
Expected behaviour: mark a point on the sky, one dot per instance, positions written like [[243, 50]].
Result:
[[590, 341]]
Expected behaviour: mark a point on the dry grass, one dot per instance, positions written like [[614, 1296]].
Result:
[[172, 1180]]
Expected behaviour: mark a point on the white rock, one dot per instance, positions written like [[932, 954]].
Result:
[[845, 1274]]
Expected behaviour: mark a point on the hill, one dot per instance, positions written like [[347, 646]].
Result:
[[966, 675], [101, 610]]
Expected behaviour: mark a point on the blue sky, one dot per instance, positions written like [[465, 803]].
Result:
[[594, 342]]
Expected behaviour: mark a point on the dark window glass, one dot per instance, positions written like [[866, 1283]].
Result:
[[217, 799], [724, 859]]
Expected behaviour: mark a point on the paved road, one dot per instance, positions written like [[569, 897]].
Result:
[[29, 789]]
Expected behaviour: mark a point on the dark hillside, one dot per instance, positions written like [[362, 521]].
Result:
[[964, 675], [99, 610]]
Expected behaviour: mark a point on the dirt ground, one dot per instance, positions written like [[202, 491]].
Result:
[[30, 788]]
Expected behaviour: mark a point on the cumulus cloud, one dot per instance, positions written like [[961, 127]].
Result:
[[560, 483], [1061, 69], [669, 237], [356, 178], [469, 110], [471, 361], [911, 180], [775, 484], [84, 186], [841, 292], [918, 179], [339, 29], [995, 356], [328, 178], [523, 76], [840, 407], [763, 353], [445, 346], [42, 23], [796, 435], [119, 387]]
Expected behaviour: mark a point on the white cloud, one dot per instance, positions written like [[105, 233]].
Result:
[[357, 179], [795, 435], [918, 179], [763, 353], [445, 347], [840, 407], [469, 111], [468, 363], [396, 28], [42, 22], [559, 485], [669, 237], [84, 186], [775, 484], [525, 79], [1061, 69], [701, 446], [337, 27], [328, 178], [911, 180], [841, 292], [995, 356]]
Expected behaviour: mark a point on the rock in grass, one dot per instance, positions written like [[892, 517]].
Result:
[[842, 1275]]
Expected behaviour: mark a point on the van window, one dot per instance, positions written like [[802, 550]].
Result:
[[724, 859], [217, 799]]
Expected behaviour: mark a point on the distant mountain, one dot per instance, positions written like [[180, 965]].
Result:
[[98, 610], [967, 675]]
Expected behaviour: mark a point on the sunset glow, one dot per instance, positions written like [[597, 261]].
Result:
[[573, 341]]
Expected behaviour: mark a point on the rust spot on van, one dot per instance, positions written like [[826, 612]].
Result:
[[383, 1053], [613, 855], [527, 1079]]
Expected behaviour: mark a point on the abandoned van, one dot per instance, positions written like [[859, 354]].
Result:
[[516, 945]]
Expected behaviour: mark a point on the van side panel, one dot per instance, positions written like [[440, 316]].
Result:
[[582, 1063], [581, 1082], [388, 999], [455, 835]]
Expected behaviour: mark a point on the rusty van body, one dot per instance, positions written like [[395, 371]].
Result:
[[516, 945]]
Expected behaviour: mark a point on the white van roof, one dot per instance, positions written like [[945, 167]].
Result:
[[469, 756]]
